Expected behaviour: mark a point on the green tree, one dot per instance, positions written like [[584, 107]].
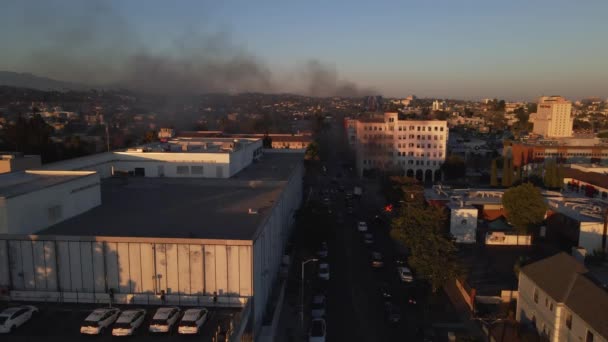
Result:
[[421, 228], [312, 151], [525, 206], [553, 177], [494, 175]]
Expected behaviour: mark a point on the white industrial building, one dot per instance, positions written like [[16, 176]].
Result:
[[415, 148], [180, 235]]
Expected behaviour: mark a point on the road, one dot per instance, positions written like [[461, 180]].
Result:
[[355, 307]]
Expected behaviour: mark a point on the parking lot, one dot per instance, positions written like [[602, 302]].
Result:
[[61, 322]]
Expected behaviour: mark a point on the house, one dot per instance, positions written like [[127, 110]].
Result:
[[561, 300]]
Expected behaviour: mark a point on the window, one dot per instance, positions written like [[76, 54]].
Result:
[[551, 306], [536, 295], [196, 170], [569, 321], [182, 170], [589, 337]]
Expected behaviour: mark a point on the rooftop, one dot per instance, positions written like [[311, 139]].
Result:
[[19, 183], [568, 281], [186, 207]]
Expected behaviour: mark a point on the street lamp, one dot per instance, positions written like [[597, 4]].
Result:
[[302, 292]]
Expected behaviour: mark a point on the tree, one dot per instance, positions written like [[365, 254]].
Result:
[[553, 175], [494, 176], [267, 141], [421, 228], [453, 167], [525, 206], [312, 151]]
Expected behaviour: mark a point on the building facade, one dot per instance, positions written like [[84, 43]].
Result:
[[559, 300], [553, 117], [414, 148]]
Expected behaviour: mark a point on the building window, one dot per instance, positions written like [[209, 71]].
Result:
[[536, 295], [589, 337], [182, 170], [569, 321], [196, 170]]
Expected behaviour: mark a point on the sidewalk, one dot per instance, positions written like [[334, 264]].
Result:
[[462, 310]]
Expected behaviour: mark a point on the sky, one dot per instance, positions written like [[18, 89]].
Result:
[[447, 49]]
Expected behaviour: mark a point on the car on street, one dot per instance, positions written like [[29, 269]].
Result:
[[98, 320], [385, 292], [362, 226], [317, 330], [12, 318], [377, 260], [192, 321], [324, 271], [164, 319], [392, 312], [411, 300], [368, 238], [128, 322], [405, 274], [322, 252], [318, 306]]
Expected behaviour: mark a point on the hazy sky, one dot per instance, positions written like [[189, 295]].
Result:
[[458, 49]]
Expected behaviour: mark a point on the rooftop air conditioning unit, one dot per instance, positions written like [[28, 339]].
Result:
[[253, 211]]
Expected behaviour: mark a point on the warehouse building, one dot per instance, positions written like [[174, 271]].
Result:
[[154, 239]]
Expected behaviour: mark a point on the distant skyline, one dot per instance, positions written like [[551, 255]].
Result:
[[516, 50]]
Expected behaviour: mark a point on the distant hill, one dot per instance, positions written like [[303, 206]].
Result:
[[26, 80]]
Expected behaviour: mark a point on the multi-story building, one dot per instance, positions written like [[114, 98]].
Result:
[[415, 148], [560, 298], [553, 117], [577, 152]]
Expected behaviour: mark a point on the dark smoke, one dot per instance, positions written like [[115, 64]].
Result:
[[98, 46]]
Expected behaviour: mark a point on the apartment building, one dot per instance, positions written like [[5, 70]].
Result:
[[559, 297], [415, 148], [553, 117]]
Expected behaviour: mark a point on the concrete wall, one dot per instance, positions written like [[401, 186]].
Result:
[[269, 244], [138, 269], [32, 211]]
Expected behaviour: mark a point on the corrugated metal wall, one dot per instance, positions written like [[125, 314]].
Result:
[[127, 267]]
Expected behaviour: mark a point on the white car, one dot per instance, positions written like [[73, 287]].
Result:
[[322, 252], [128, 321], [98, 320], [164, 319], [362, 226], [324, 271], [405, 274], [317, 330], [12, 318], [192, 321], [318, 306]]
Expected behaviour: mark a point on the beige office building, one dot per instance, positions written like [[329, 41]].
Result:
[[553, 117]]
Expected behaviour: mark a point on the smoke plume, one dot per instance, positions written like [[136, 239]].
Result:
[[98, 46]]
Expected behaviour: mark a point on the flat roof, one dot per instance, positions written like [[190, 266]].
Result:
[[186, 207], [18, 183]]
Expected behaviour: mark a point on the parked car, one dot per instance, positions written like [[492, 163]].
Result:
[[128, 322], [392, 312], [317, 330], [384, 292], [377, 260], [368, 238], [192, 321], [98, 320], [318, 306], [405, 274], [12, 318], [164, 319], [362, 226], [324, 271], [322, 252]]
